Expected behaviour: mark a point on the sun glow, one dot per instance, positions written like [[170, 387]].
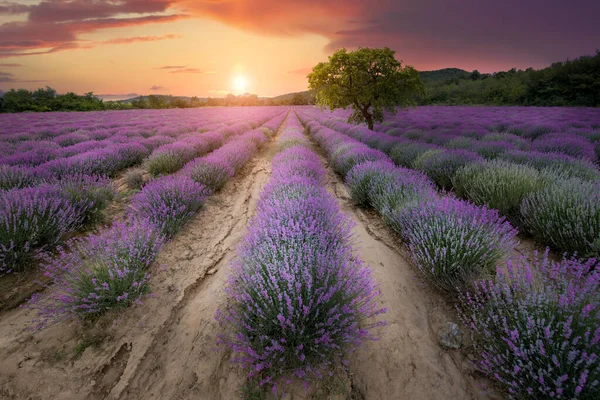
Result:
[[240, 84]]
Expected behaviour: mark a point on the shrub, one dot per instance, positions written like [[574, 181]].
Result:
[[386, 187], [498, 184], [135, 178], [89, 194], [100, 272], [17, 177], [33, 157], [32, 219], [443, 165], [461, 143], [130, 154], [347, 156], [69, 139], [559, 163], [452, 241], [405, 154], [299, 297], [298, 162], [492, 149], [566, 215], [211, 173], [574, 146], [169, 158], [536, 328], [169, 202]]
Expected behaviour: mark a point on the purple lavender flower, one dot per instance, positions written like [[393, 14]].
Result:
[[452, 241], [32, 219], [169, 202], [99, 272], [536, 327], [299, 299]]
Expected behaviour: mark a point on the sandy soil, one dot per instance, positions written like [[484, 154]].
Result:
[[165, 348]]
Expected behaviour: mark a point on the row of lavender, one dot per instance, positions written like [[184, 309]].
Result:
[[110, 269], [569, 131], [534, 324], [36, 155], [554, 197], [69, 193], [299, 298]]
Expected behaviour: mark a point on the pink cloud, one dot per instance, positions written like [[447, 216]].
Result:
[[56, 25]]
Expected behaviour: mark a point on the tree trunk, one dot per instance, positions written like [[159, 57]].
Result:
[[369, 119]]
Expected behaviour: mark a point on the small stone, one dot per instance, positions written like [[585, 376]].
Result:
[[187, 255], [211, 271], [451, 336]]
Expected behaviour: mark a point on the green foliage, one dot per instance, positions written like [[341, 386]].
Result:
[[370, 81], [498, 184], [566, 214], [570, 83]]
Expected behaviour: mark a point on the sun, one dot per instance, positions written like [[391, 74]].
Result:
[[240, 84]]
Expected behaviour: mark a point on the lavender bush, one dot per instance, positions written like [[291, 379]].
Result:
[[443, 165], [100, 272], [559, 163], [211, 173], [32, 219], [17, 177], [566, 215], [169, 158], [452, 241], [405, 154], [347, 156], [169, 202], [498, 184], [574, 146], [536, 328], [89, 195], [299, 299]]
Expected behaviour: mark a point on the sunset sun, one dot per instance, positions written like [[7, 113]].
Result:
[[240, 84]]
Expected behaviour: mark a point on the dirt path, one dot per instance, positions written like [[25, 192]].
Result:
[[164, 348], [407, 362]]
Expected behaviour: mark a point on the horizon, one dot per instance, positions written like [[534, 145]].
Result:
[[124, 49]]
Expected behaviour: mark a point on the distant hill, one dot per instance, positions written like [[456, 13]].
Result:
[[443, 75], [162, 96]]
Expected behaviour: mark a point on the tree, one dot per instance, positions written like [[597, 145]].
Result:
[[371, 81]]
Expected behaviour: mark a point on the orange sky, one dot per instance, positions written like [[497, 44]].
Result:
[[182, 47]]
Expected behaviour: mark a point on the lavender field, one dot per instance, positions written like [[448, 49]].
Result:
[[266, 252]]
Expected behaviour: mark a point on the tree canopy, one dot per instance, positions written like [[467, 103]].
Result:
[[370, 81]]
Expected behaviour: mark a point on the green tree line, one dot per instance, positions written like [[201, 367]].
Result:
[[570, 83], [46, 99]]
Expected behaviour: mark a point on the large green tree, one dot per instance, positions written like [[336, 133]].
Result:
[[371, 81]]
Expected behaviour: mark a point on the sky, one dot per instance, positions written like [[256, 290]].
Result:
[[123, 48]]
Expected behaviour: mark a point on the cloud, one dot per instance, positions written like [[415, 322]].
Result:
[[187, 71], [156, 88], [53, 26], [426, 33], [137, 39], [10, 65], [172, 67], [9, 7], [7, 77]]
